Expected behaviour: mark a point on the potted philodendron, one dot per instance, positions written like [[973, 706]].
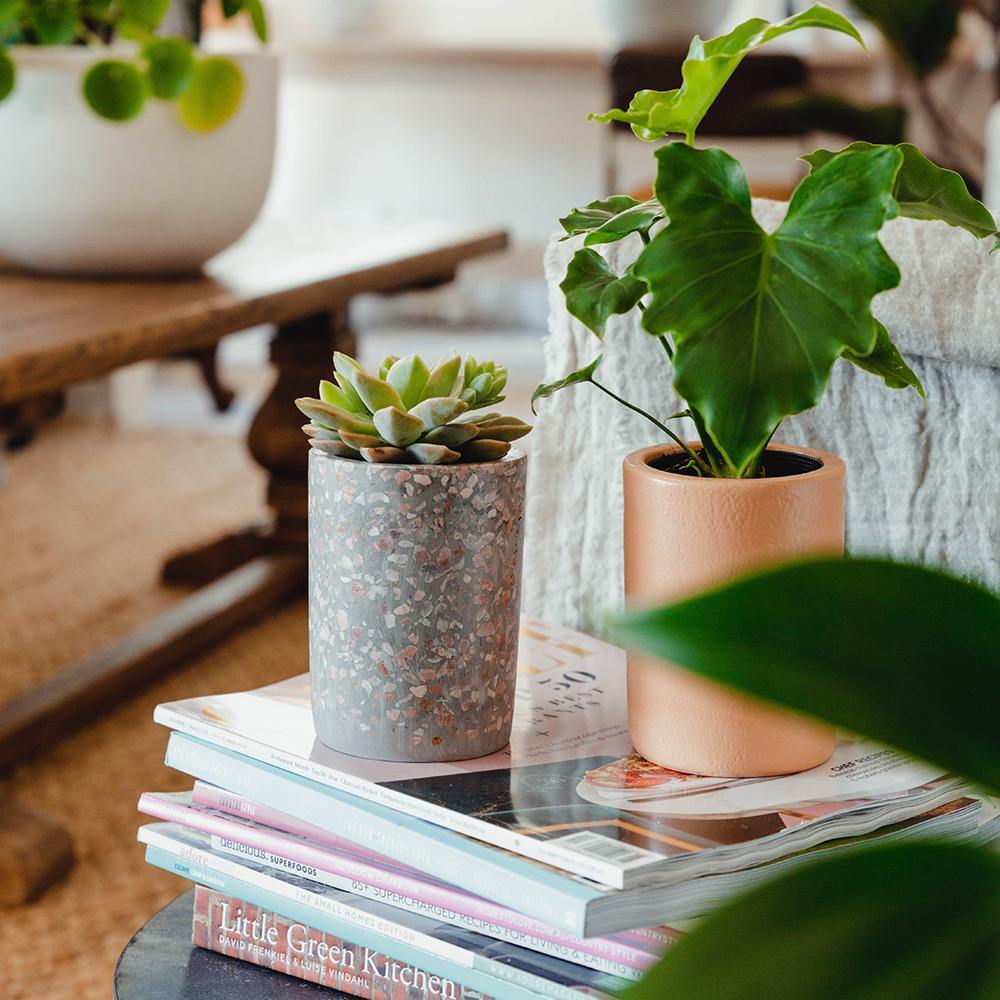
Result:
[[416, 510], [751, 323], [126, 149]]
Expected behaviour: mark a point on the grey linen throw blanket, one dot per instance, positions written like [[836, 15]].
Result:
[[923, 479]]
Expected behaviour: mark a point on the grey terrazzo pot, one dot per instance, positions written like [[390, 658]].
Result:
[[414, 604]]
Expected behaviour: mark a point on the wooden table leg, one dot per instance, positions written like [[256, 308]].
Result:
[[35, 852], [301, 352], [252, 571]]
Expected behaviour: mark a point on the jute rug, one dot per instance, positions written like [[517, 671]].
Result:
[[85, 517]]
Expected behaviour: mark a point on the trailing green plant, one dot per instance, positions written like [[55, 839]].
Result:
[[752, 322], [411, 412], [207, 90], [902, 921]]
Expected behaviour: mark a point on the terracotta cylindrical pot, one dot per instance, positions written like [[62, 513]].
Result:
[[684, 534], [414, 604]]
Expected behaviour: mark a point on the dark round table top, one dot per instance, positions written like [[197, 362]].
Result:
[[160, 963]]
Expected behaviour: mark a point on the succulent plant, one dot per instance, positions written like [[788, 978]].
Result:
[[412, 413]]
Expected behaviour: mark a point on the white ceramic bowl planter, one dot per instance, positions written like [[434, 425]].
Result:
[[90, 196]]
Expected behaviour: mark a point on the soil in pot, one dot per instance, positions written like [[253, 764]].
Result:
[[774, 464]]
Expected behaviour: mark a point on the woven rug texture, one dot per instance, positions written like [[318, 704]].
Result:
[[86, 516]]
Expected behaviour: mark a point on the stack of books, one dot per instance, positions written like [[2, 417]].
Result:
[[562, 867]]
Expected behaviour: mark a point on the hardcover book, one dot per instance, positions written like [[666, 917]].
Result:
[[464, 957], [289, 845], [271, 853], [568, 792], [251, 933]]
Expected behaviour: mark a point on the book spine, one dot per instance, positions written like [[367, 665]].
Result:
[[309, 908], [240, 929], [546, 943], [203, 794], [510, 881]]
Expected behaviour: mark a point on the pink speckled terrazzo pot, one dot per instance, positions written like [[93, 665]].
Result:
[[414, 604]]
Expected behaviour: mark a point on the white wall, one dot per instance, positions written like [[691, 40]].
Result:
[[538, 22], [482, 140], [460, 142]]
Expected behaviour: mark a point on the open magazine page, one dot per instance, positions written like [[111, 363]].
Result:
[[568, 791]]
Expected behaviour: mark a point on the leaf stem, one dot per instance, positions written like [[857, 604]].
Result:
[[720, 468], [642, 306], [696, 458]]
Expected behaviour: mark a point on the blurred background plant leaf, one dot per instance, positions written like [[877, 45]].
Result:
[[8, 74], [803, 111], [902, 654], [906, 922], [213, 95], [920, 32], [115, 90]]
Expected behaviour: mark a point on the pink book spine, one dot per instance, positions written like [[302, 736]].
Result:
[[236, 805], [402, 886], [250, 933]]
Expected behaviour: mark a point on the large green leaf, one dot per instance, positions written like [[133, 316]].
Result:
[[906, 922], [757, 318], [919, 31], [886, 362], [594, 293], [654, 114], [902, 654], [611, 219], [574, 378], [925, 191]]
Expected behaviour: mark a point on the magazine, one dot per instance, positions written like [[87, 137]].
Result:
[[291, 846], [574, 904], [568, 791], [461, 956]]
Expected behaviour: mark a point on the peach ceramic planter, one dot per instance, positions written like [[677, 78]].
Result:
[[684, 534]]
